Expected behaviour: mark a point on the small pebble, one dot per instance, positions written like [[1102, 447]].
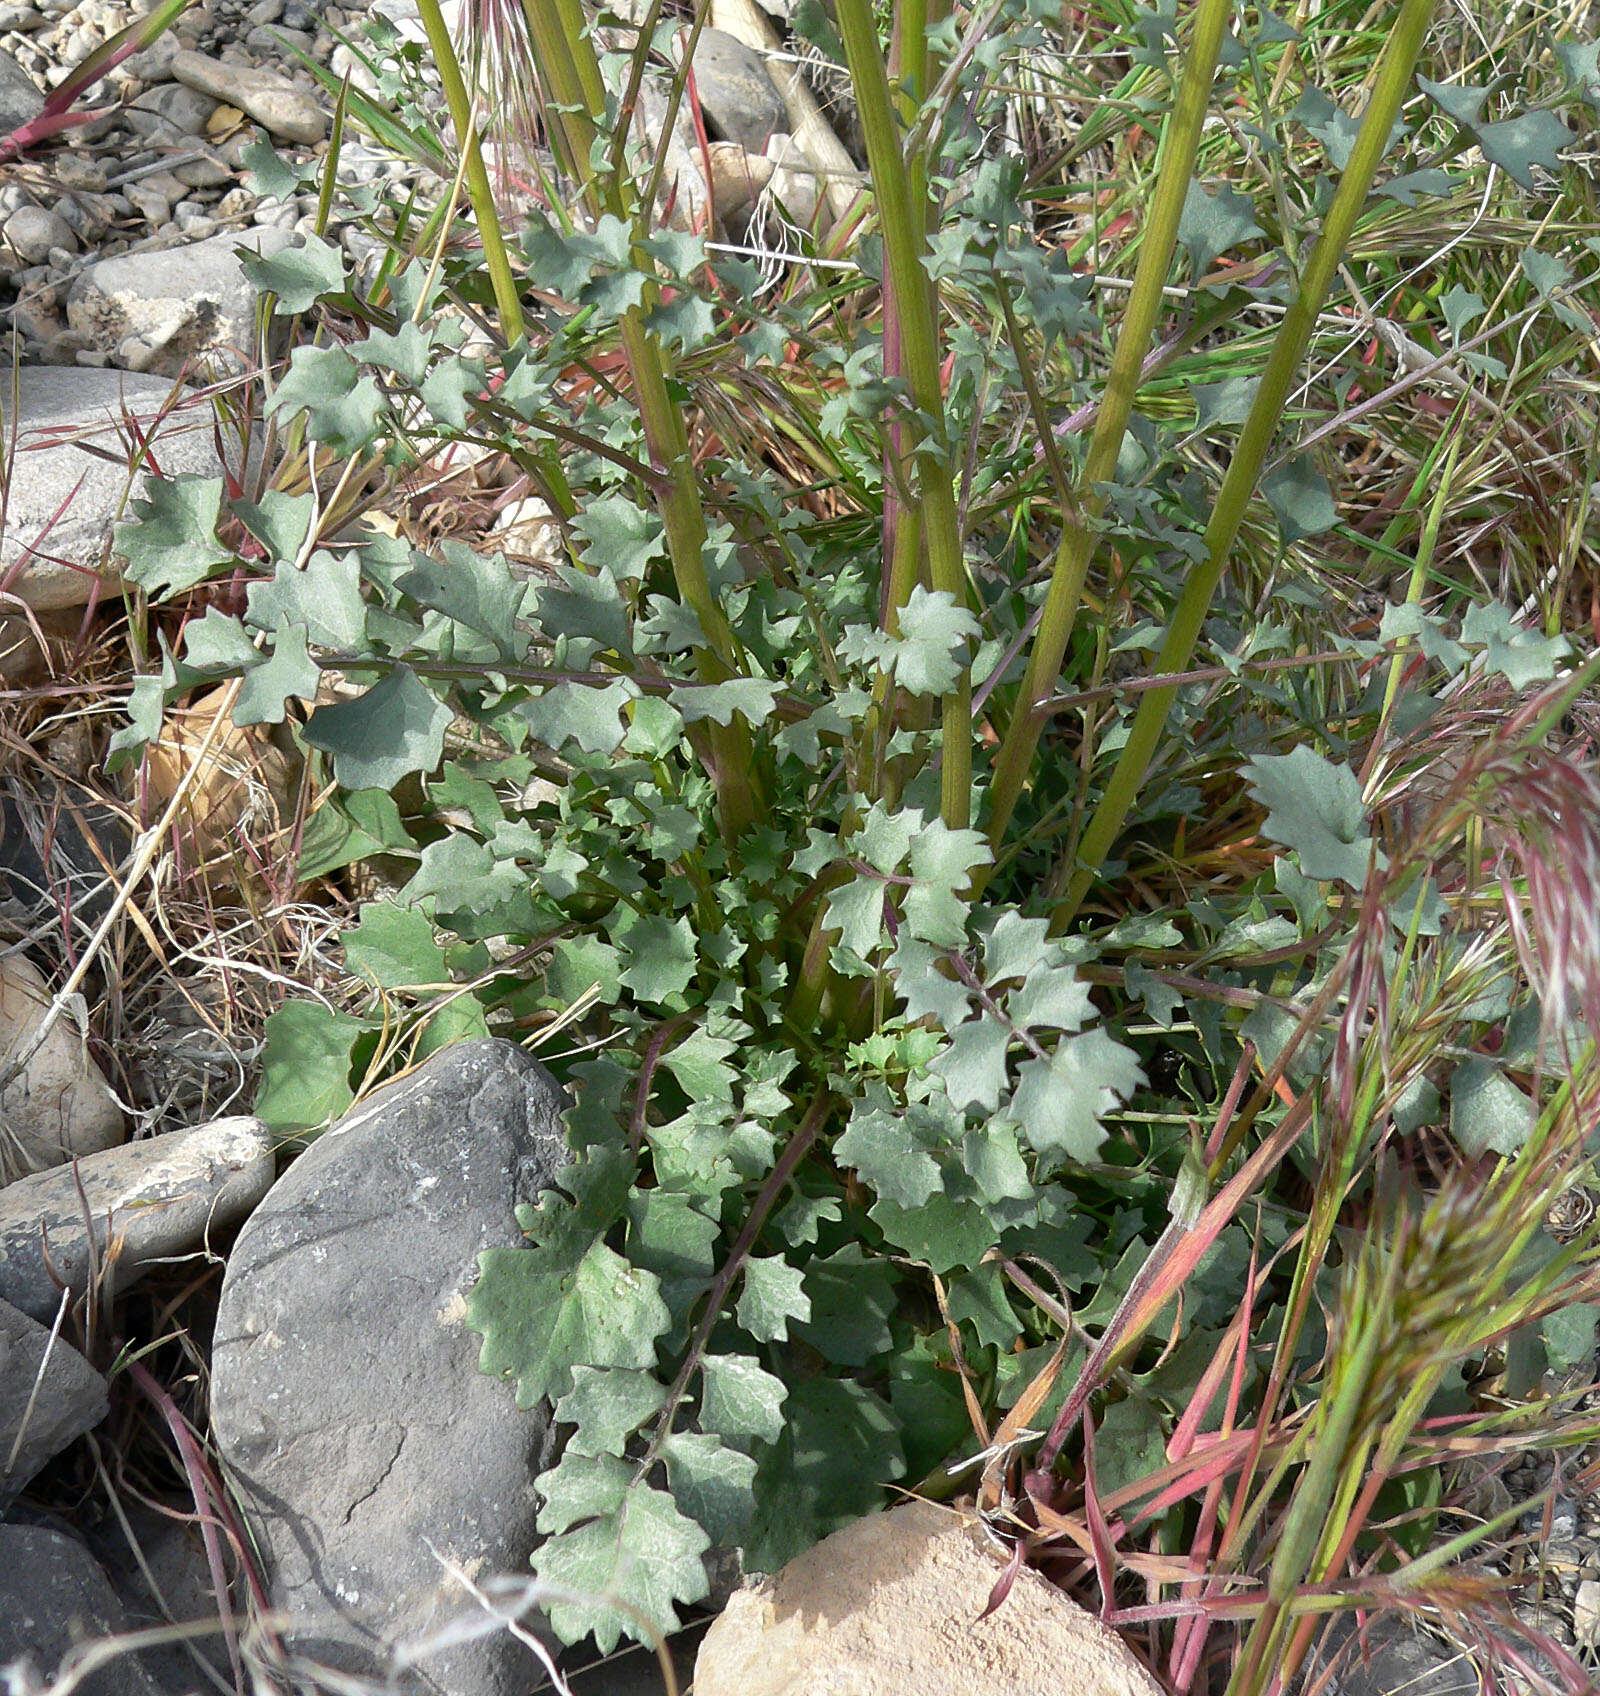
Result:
[[35, 235], [1586, 1612], [75, 170]]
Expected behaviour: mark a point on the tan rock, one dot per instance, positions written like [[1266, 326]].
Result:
[[24, 658], [59, 1105], [890, 1606], [149, 1201], [273, 101], [737, 177]]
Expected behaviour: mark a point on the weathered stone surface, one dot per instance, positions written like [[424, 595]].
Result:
[[891, 1606], [345, 1397], [52, 1598], [737, 177], [162, 1197], [178, 303], [59, 1104], [31, 232], [289, 112], [1395, 1660], [735, 91], [58, 850], [169, 113], [158, 1567], [20, 100], [49, 1395], [63, 499], [28, 646]]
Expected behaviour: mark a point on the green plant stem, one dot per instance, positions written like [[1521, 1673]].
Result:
[[1146, 303], [902, 218], [575, 97], [796, 1149], [496, 259], [1288, 349]]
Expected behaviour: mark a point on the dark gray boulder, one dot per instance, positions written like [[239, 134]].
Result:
[[346, 1400], [49, 1395], [54, 1599]]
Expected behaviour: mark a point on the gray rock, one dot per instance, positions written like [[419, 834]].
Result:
[[33, 234], [161, 1198], [206, 171], [735, 91], [169, 113], [64, 497], [19, 17], [52, 1598], [273, 38], [49, 1395], [55, 845], [346, 1400], [58, 1106], [20, 100], [288, 112], [183, 302], [1395, 1658], [158, 1567], [76, 170]]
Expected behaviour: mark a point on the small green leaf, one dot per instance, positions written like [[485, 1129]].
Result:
[[1059, 1104], [973, 1066], [344, 408], [1520, 655], [1211, 224], [643, 1552], [1300, 499], [1488, 1113], [658, 956], [620, 537], [773, 1294], [299, 276], [752, 698], [942, 1234], [170, 544], [305, 1066], [1569, 1334], [475, 590], [607, 1404], [404, 351], [546, 1309], [280, 523], [739, 1400], [394, 948], [574, 712], [1315, 807], [852, 1297], [350, 827], [324, 595], [711, 1483], [267, 686], [395, 728], [581, 1488], [1519, 144], [219, 642]]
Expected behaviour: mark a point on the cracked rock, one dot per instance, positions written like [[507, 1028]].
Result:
[[346, 1399]]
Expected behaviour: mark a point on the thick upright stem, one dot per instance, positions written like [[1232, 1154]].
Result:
[[1180, 144], [1238, 484], [902, 219]]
